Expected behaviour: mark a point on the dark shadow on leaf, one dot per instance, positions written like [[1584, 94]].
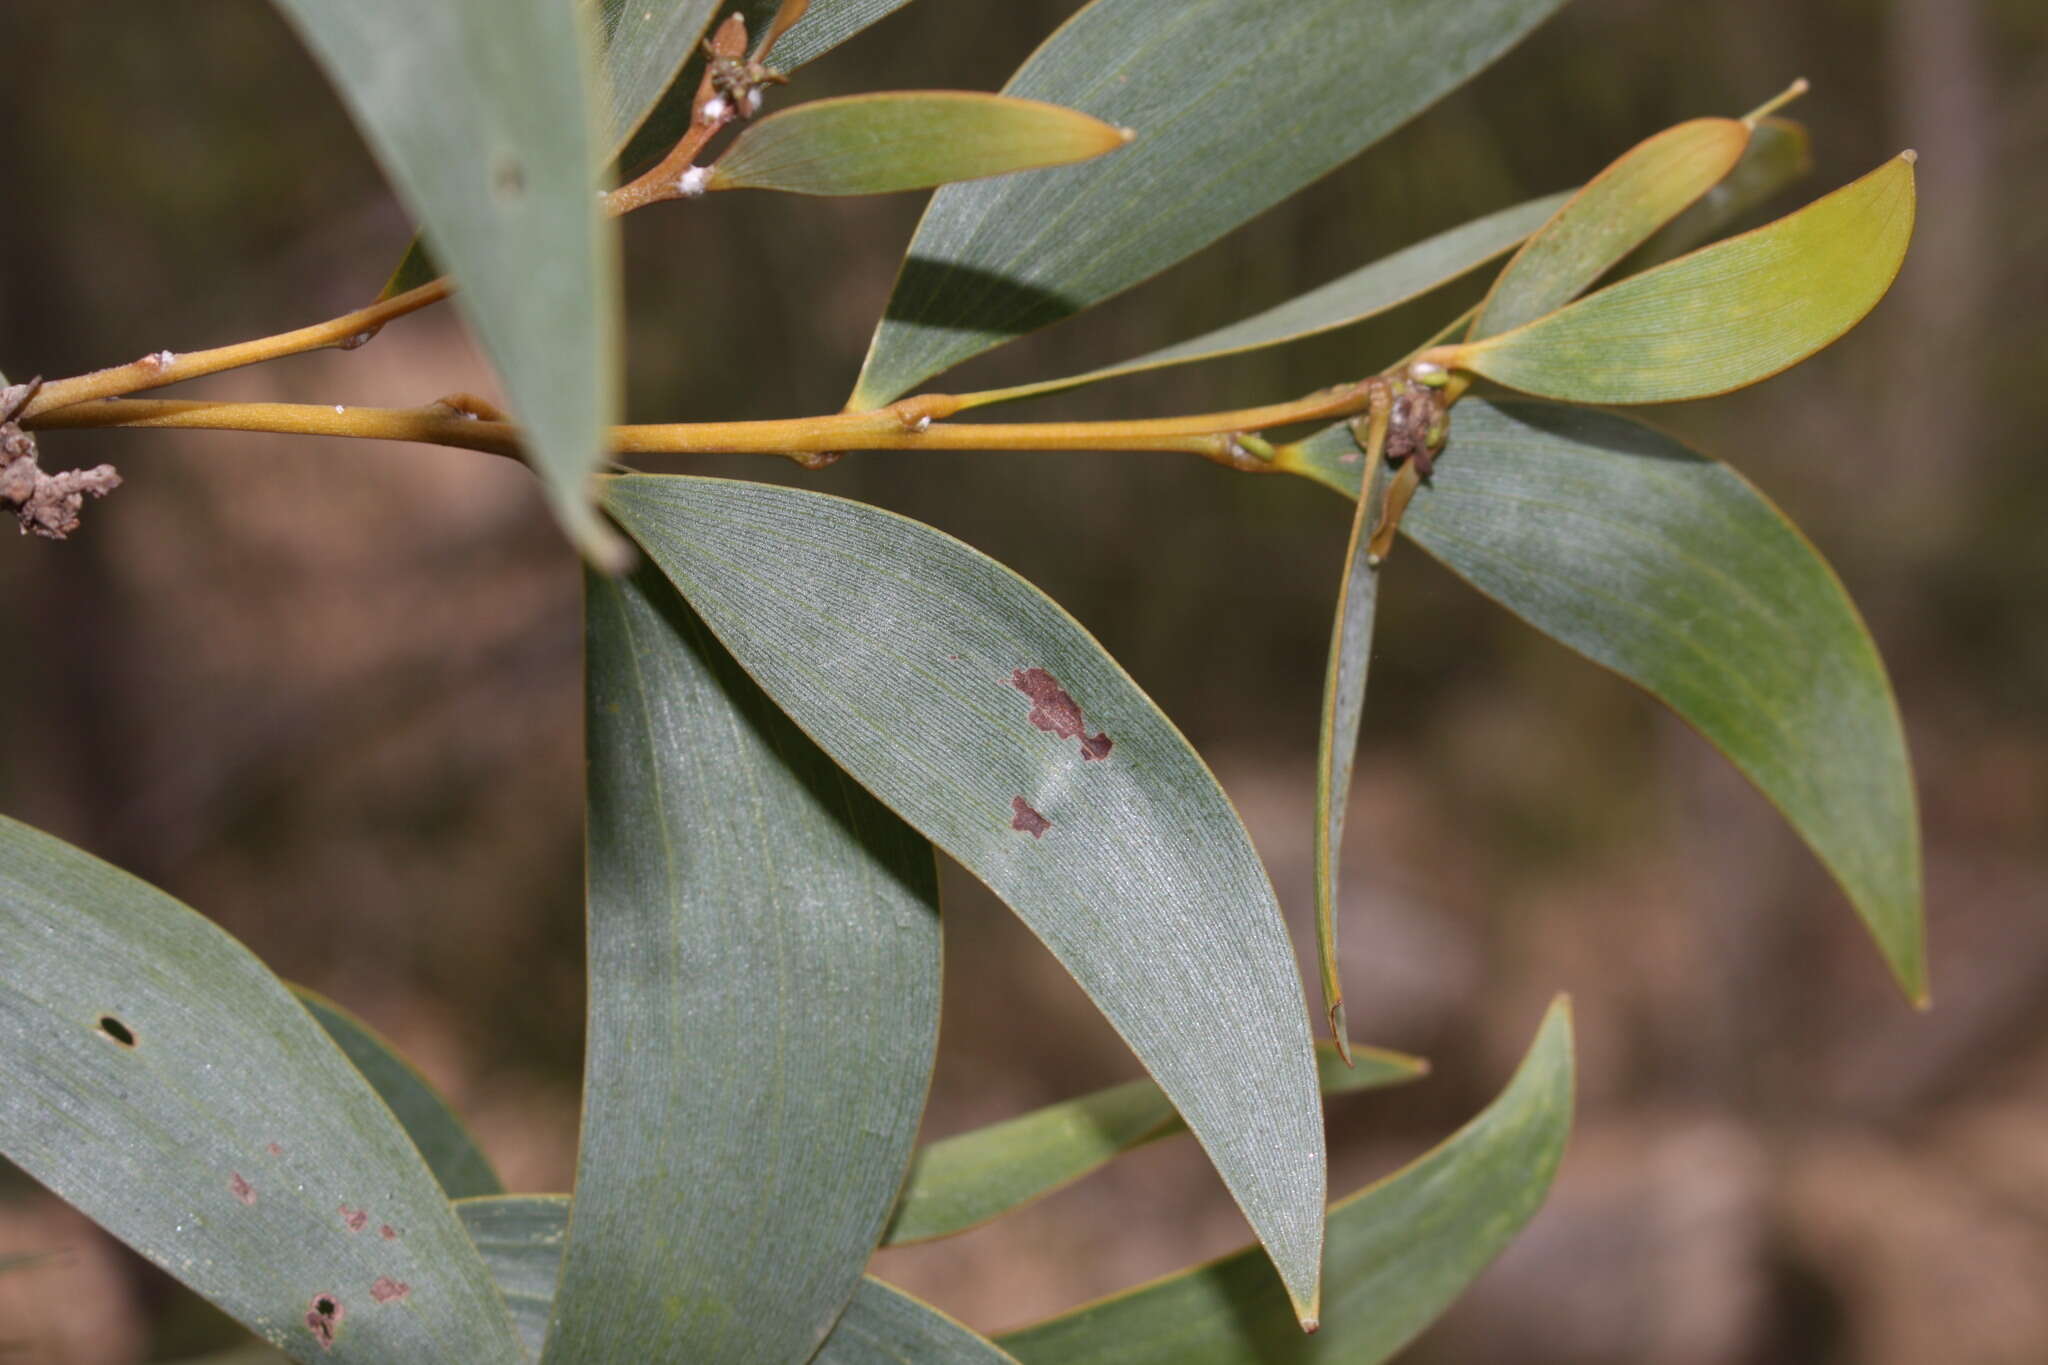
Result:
[[939, 294]]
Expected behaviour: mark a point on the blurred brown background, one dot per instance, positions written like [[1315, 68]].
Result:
[[328, 692]]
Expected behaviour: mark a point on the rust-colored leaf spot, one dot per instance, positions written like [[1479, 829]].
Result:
[[357, 1219], [387, 1232], [388, 1290], [274, 1150], [323, 1319], [1027, 819], [1056, 712], [240, 1188]]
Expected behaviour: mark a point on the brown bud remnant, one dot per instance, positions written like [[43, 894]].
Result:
[[1416, 426], [1027, 819], [46, 504], [817, 459], [1055, 712]]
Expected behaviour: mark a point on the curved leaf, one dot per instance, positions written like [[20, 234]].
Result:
[[906, 140], [1386, 283], [1618, 210], [521, 1240], [1723, 317], [961, 1182], [1237, 104], [1337, 736], [1400, 1250], [1674, 572], [477, 110], [446, 1145], [167, 1085], [764, 997], [989, 719]]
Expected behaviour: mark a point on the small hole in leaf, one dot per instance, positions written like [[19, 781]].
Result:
[[509, 178], [117, 1030]]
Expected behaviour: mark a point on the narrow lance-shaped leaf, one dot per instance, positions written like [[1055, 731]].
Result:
[[1646, 187], [764, 993], [986, 716], [163, 1082], [1364, 292], [521, 1239], [478, 111], [1674, 572], [1723, 317], [906, 140], [961, 1182], [428, 1119], [1400, 1250], [1237, 104], [1344, 680]]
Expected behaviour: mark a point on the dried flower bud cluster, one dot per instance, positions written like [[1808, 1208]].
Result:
[[46, 504]]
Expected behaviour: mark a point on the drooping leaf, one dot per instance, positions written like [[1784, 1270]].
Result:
[[764, 993], [1674, 572], [1366, 291], [1400, 1250], [1619, 209], [1344, 679], [428, 1119], [644, 44], [987, 717], [906, 140], [164, 1083], [521, 1240], [478, 111], [1723, 317], [961, 1182], [1237, 104], [1779, 152]]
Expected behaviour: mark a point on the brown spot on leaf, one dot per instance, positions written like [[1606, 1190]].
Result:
[[387, 1232], [388, 1290], [1056, 712], [240, 1188], [323, 1319], [357, 1219], [1027, 819], [274, 1150]]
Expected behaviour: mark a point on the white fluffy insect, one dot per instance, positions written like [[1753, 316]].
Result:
[[693, 182]]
